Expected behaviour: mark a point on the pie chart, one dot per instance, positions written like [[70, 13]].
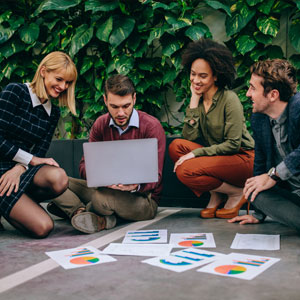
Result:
[[84, 260], [190, 243], [230, 269]]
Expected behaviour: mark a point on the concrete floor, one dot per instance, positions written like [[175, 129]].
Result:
[[128, 278]]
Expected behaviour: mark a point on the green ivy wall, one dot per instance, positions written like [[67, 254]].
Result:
[[143, 39]]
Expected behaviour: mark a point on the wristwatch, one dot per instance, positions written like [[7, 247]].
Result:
[[272, 174]]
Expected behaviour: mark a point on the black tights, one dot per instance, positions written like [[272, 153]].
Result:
[[27, 215]]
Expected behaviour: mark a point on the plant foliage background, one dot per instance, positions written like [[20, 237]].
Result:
[[141, 38]]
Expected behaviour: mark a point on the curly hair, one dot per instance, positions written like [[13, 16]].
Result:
[[218, 57], [277, 74]]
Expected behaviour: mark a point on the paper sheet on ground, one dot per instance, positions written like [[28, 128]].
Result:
[[256, 241], [196, 240], [79, 257], [146, 236], [238, 265], [184, 260], [138, 249]]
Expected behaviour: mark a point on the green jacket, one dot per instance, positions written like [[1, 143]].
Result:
[[222, 129]]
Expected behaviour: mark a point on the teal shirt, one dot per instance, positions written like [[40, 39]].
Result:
[[222, 128]]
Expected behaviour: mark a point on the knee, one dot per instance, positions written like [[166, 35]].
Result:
[[43, 229], [59, 180], [174, 149]]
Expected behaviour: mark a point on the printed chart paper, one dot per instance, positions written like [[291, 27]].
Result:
[[79, 257], [197, 240], [238, 265], [184, 260], [146, 236], [256, 241], [138, 249]]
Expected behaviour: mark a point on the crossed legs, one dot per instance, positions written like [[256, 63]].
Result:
[[27, 215]]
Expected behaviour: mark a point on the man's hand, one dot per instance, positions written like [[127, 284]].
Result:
[[39, 161], [245, 219], [10, 180], [183, 159], [124, 187], [257, 184]]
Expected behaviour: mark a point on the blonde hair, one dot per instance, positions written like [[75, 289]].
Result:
[[55, 61]]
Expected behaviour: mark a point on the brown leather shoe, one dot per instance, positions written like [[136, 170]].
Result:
[[208, 213], [229, 213]]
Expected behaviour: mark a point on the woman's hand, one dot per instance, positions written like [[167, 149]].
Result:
[[195, 98], [183, 159], [10, 180], [39, 161], [124, 187]]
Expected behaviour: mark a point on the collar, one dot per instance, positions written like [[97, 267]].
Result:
[[36, 101], [281, 119], [133, 122]]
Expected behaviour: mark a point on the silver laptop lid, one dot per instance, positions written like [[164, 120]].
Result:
[[121, 162]]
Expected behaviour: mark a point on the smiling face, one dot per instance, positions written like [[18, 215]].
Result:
[[202, 78], [120, 108], [260, 102], [55, 82]]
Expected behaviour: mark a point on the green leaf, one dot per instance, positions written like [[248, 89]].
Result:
[[104, 30], [196, 31], [268, 25], [124, 64], [170, 45], [295, 60], [134, 41], [12, 48], [157, 33], [254, 2], [5, 34], [15, 22], [101, 5], [169, 75], [262, 38], [177, 23], [297, 3], [294, 34], [86, 64], [157, 5], [218, 5], [122, 29], [245, 44], [256, 54], [8, 70], [82, 36], [29, 33], [241, 17], [176, 61], [274, 52], [146, 64], [56, 5], [5, 16], [266, 6]]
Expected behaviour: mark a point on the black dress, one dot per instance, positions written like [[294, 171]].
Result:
[[25, 127]]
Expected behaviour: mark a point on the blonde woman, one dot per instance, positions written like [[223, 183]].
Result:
[[28, 119]]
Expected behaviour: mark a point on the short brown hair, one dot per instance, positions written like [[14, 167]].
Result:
[[277, 74], [119, 85]]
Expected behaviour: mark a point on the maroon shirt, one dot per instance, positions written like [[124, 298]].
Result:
[[149, 127]]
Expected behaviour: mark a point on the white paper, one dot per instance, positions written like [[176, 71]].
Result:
[[138, 249], [146, 236], [79, 257], [238, 265], [183, 260], [195, 240], [256, 241]]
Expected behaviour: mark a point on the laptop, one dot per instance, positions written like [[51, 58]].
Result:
[[121, 162]]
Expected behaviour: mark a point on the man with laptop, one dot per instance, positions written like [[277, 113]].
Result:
[[92, 208]]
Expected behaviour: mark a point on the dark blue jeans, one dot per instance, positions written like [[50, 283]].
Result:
[[279, 204]]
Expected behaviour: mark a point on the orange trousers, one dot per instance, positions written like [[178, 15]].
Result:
[[205, 173]]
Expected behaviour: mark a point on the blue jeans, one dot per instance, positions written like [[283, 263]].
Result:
[[279, 204]]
